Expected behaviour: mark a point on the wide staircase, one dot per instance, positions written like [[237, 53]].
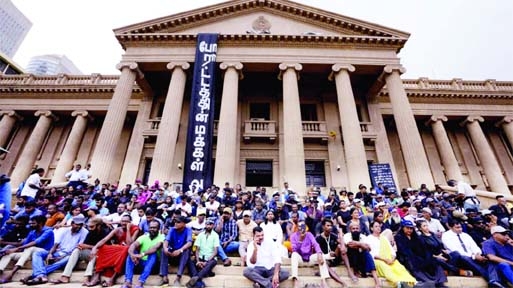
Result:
[[231, 277]]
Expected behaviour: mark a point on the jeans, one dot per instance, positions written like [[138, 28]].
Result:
[[263, 276], [147, 265], [504, 271], [231, 247], [180, 261], [38, 263]]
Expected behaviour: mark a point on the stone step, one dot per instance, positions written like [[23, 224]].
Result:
[[239, 281]]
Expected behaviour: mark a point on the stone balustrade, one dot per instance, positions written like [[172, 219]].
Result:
[[457, 84]]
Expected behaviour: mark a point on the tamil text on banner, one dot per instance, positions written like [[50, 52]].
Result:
[[198, 152], [382, 173]]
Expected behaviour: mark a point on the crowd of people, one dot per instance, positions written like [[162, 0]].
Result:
[[412, 237]]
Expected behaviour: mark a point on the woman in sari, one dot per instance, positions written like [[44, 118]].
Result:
[[110, 259], [385, 260]]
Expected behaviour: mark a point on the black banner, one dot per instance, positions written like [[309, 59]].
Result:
[[198, 152], [381, 173]]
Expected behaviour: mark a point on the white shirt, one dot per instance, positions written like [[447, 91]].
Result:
[[196, 226], [185, 208], [375, 245], [435, 226], [33, 179], [75, 175], [348, 238], [267, 254], [466, 189], [452, 243], [114, 217], [272, 231]]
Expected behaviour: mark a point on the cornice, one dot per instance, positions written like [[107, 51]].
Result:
[[269, 40]]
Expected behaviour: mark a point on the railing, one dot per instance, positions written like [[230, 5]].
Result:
[[457, 84], [61, 79], [259, 129], [315, 130], [152, 128], [367, 130]]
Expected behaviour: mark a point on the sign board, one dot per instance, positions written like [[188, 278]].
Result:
[[381, 173]]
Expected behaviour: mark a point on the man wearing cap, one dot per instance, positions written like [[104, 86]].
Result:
[[176, 250], [207, 245], [227, 229], [245, 226], [198, 225], [264, 263], [434, 224], [45, 262], [499, 252]]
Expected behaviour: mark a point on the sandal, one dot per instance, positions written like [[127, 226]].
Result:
[[91, 284], [37, 281], [58, 281], [354, 279]]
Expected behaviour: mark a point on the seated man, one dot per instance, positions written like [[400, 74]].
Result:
[[206, 245], [246, 226], [147, 246], [15, 236], [228, 232], [83, 251], [303, 243], [54, 216], [176, 250], [40, 238], [358, 254], [60, 252], [334, 250], [264, 262], [499, 251]]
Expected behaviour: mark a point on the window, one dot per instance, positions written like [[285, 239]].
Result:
[[147, 169], [259, 173], [260, 111], [309, 112], [315, 173]]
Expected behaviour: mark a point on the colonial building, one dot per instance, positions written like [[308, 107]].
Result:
[[303, 95]]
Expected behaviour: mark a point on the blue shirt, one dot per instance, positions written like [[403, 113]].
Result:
[[145, 225], [177, 239], [44, 239], [492, 247]]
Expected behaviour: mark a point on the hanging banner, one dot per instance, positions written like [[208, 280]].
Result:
[[198, 172]]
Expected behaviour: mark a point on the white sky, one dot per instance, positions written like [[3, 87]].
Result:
[[469, 39]]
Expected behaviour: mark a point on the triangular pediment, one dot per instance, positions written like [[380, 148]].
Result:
[[269, 17]]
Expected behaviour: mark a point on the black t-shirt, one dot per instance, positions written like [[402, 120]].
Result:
[[16, 235], [332, 241], [94, 237]]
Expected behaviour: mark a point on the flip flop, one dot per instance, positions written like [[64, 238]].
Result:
[[58, 281], [36, 281], [92, 284]]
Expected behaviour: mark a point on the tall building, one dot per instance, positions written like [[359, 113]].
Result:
[[52, 65], [14, 26], [303, 95], [7, 66]]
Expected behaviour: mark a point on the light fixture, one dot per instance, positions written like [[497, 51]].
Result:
[[338, 167], [179, 166]]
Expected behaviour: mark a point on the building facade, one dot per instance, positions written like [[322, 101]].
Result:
[[14, 26], [303, 96], [52, 65]]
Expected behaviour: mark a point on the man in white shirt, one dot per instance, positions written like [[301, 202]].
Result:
[[114, 219], [33, 183], [470, 200], [264, 262], [464, 251], [77, 176], [434, 224]]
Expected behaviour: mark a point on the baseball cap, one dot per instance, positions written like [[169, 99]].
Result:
[[228, 210], [427, 210], [246, 213], [210, 220], [498, 229], [407, 223], [459, 214], [201, 211], [486, 212], [79, 219]]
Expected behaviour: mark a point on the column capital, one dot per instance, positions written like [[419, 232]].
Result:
[[82, 113], [394, 67], [183, 65], [46, 113], [236, 65], [11, 113], [133, 66], [436, 118], [471, 119], [341, 66], [285, 66], [506, 120]]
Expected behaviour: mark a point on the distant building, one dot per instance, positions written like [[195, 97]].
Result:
[[52, 65], [14, 26], [8, 67]]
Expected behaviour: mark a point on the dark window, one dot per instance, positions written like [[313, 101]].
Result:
[[259, 173], [315, 173], [147, 169], [309, 112], [260, 111]]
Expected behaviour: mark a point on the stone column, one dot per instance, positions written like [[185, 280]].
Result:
[[356, 159], [69, 153], [226, 148], [106, 145], [293, 148], [162, 162], [486, 156], [412, 147], [6, 125], [136, 145], [32, 147], [449, 161], [506, 123]]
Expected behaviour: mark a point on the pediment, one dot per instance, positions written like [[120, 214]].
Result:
[[266, 17]]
